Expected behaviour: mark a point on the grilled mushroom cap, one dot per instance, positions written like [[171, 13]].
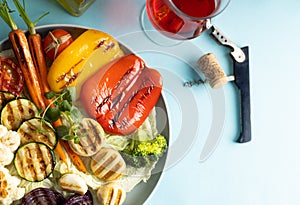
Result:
[[108, 164], [91, 140], [111, 194]]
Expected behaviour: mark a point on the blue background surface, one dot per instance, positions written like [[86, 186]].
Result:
[[265, 171]]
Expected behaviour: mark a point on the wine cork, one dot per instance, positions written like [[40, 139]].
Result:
[[212, 71]]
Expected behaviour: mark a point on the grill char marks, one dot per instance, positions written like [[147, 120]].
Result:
[[125, 93], [91, 138], [5, 97], [112, 87], [3, 185], [134, 112], [17, 111], [34, 161], [130, 109], [108, 164], [69, 77], [111, 194], [35, 130]]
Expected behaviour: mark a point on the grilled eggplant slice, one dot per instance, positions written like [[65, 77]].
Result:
[[17, 111], [37, 130], [34, 161], [92, 138], [5, 97]]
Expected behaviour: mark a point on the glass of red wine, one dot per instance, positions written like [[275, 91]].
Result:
[[179, 19]]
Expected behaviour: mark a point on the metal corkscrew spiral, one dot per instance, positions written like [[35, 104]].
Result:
[[213, 72]]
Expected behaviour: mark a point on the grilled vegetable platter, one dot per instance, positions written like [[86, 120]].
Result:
[[79, 117]]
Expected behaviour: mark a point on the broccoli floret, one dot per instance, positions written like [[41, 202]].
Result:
[[153, 147], [142, 153]]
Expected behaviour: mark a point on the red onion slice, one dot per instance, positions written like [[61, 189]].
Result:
[[43, 196]]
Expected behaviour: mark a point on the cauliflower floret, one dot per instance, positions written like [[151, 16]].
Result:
[[9, 190], [6, 156], [9, 138], [3, 130], [9, 142]]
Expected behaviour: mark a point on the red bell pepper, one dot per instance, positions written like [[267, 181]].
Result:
[[122, 94]]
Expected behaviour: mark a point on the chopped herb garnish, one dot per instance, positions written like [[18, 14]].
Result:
[[71, 116]]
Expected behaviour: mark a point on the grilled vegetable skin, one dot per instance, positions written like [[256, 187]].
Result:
[[108, 164], [20, 46], [91, 138], [37, 130], [5, 97], [73, 183], [68, 68], [122, 94], [43, 196], [34, 161], [55, 42], [142, 153], [11, 77], [17, 111], [86, 199], [111, 194], [62, 103], [46, 196]]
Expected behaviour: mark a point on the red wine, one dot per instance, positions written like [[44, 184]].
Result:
[[196, 8], [167, 20]]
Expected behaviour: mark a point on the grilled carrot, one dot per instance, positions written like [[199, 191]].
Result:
[[74, 157], [37, 53], [21, 50], [36, 50], [35, 45], [77, 161], [39, 59], [33, 65]]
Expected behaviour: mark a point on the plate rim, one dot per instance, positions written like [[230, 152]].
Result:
[[3, 43]]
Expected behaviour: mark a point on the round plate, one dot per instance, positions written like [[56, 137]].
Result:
[[142, 191], [197, 114]]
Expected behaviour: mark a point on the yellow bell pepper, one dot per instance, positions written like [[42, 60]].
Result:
[[82, 58]]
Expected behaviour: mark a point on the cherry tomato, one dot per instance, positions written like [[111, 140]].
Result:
[[122, 94], [11, 77], [55, 42]]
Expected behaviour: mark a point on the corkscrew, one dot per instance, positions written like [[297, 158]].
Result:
[[217, 78], [213, 72], [237, 54]]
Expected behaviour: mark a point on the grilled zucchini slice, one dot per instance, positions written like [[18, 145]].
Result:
[[5, 97], [37, 130], [17, 111], [34, 161]]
